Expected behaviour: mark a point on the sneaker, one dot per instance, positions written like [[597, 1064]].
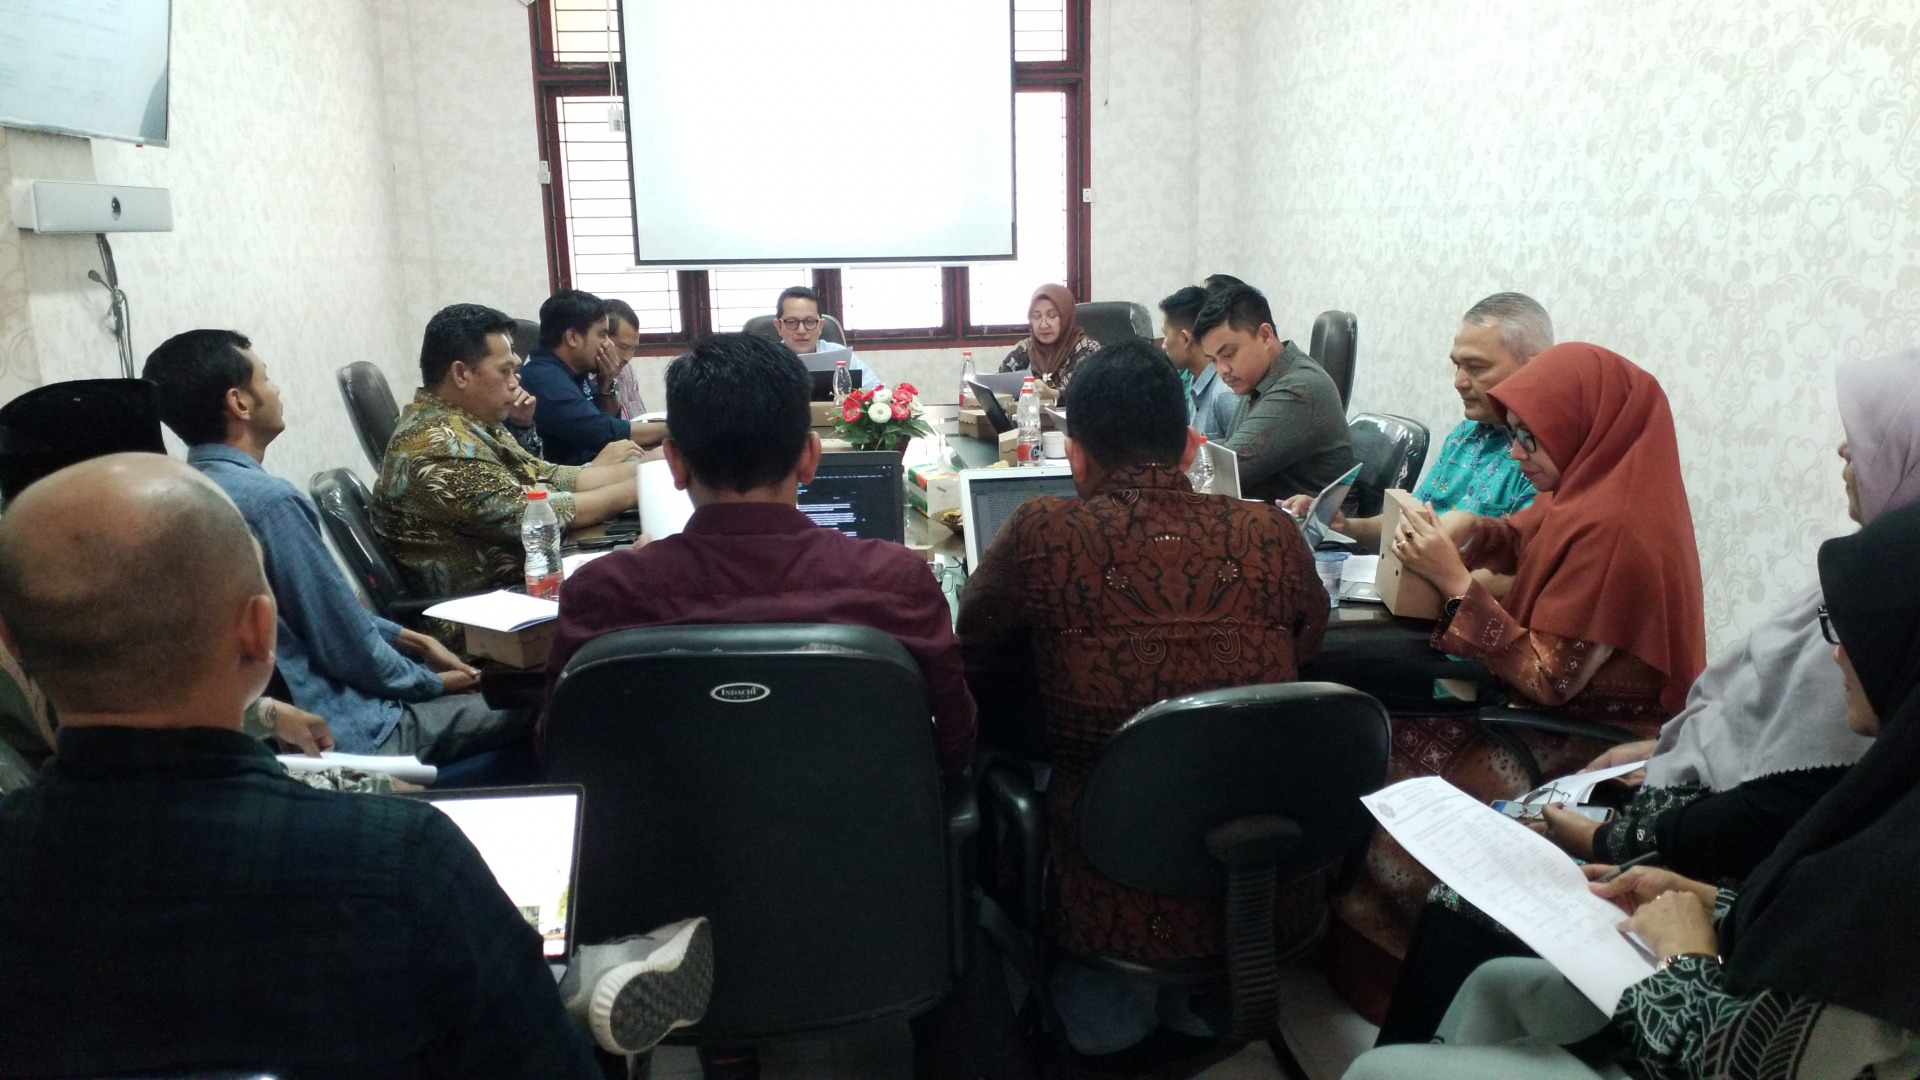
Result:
[[632, 992]]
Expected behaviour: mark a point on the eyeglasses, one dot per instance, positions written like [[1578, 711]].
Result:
[[1826, 627], [1526, 439], [810, 323]]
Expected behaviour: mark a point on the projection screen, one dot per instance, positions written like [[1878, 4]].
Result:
[[835, 131]]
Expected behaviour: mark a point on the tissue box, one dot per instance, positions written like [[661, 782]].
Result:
[[932, 488], [1403, 591]]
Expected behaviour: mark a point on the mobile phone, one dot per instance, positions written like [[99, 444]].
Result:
[[1520, 811], [598, 543]]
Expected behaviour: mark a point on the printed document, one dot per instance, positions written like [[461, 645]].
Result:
[[1518, 878]]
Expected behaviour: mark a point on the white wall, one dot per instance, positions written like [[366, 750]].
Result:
[[1725, 193]]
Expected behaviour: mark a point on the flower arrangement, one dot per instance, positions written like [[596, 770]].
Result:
[[881, 417]]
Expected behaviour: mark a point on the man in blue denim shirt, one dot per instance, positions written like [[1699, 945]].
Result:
[[575, 375], [339, 660]]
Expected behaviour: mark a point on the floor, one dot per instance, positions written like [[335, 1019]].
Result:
[[1324, 1034]]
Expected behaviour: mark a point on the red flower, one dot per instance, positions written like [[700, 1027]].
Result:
[[851, 410], [899, 408], [905, 392]]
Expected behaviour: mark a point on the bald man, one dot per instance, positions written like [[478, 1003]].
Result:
[[170, 898]]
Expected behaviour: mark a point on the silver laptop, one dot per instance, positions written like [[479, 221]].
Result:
[[530, 839], [990, 496], [1226, 468]]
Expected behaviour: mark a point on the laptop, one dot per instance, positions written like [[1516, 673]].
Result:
[[990, 496], [860, 492], [989, 403], [822, 385], [530, 839], [1226, 468]]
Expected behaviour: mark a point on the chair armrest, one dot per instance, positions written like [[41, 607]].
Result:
[[1009, 791], [963, 808], [1505, 724]]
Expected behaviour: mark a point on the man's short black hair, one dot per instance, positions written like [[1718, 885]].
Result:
[[1216, 282], [797, 292], [737, 410], [1128, 406], [1182, 306], [458, 333], [569, 309], [620, 309], [194, 371], [1239, 306]]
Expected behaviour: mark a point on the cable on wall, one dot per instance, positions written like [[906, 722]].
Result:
[[121, 312]]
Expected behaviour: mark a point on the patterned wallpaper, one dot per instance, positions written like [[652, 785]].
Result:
[[1729, 194]]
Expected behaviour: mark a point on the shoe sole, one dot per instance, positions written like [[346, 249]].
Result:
[[637, 1004]]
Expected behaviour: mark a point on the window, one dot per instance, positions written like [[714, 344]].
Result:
[[589, 200]]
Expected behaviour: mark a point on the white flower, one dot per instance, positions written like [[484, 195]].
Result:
[[883, 394], [880, 412], [914, 409]]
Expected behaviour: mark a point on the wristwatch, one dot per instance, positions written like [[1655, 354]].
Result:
[[1452, 608], [1679, 956]]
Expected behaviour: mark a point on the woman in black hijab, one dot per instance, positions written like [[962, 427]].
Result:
[[1813, 970]]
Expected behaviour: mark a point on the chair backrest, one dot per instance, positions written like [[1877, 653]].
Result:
[[780, 780], [1305, 751], [1335, 334], [343, 500], [1391, 451], [370, 406], [1108, 321], [526, 337], [51, 427], [763, 326]]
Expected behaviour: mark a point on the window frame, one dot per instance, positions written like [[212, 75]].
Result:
[[553, 80]]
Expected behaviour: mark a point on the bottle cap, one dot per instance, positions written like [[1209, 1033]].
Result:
[[537, 493]]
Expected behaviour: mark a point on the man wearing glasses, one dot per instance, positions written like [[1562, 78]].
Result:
[[797, 316]]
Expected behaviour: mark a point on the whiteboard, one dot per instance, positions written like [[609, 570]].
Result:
[[86, 67], [763, 131]]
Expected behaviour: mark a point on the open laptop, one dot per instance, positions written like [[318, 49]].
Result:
[[821, 388], [1226, 468], [990, 496], [530, 839], [989, 403], [860, 492]]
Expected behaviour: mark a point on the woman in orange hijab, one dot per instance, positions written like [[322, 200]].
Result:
[[1603, 623], [1054, 344]]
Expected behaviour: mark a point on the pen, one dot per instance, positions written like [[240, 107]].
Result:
[[1648, 859]]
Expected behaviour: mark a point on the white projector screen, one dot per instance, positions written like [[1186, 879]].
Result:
[[835, 131], [86, 67]]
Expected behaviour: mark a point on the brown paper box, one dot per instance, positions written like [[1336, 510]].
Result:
[[1403, 591], [824, 413], [526, 648]]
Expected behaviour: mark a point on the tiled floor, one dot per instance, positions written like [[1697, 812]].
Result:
[[1324, 1034]]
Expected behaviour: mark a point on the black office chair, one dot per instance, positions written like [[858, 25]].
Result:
[[526, 337], [370, 406], [1335, 334], [762, 325], [1107, 321], [51, 427], [343, 501], [1233, 793], [1391, 451], [780, 780]]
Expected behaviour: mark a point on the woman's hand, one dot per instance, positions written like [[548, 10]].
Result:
[[1572, 832], [1643, 884], [1674, 923], [1426, 549], [1624, 754]]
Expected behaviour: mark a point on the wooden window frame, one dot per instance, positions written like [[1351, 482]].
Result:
[[553, 80]]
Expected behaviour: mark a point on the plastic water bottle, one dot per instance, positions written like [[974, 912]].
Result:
[[1200, 475], [967, 371], [1028, 416], [540, 535], [842, 382]]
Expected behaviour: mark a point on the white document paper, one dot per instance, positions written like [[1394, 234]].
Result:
[[503, 611], [570, 563], [1517, 878], [1574, 790], [408, 768], [1359, 568]]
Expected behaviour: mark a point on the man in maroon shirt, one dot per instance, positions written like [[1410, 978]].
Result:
[[740, 443]]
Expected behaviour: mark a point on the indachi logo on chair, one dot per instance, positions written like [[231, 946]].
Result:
[[739, 693]]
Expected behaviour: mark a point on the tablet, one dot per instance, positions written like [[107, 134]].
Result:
[[1319, 518]]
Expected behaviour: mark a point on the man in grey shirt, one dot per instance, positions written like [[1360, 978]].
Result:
[[1289, 430]]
